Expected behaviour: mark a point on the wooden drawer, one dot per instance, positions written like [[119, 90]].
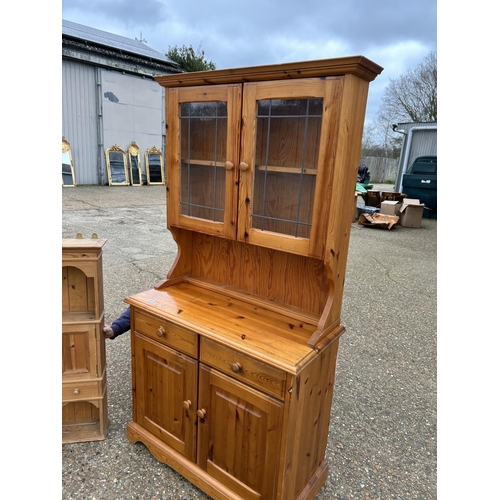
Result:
[[81, 391], [166, 333], [250, 371]]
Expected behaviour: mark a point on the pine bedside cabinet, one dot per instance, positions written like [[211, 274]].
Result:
[[84, 395]]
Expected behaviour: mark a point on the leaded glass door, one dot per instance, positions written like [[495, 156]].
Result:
[[282, 197], [203, 145]]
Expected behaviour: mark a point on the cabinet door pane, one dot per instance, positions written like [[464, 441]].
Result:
[[286, 154], [203, 127], [202, 153]]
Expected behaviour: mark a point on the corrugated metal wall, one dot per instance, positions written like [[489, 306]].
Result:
[[101, 108], [424, 142], [133, 109], [80, 119]]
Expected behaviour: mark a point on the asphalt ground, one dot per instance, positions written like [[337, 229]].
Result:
[[382, 440]]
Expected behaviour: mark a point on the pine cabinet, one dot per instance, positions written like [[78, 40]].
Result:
[[84, 386], [234, 353]]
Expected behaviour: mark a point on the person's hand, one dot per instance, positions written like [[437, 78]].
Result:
[[108, 331]]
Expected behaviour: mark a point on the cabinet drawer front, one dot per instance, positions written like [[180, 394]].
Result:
[[244, 368], [166, 333], [76, 391]]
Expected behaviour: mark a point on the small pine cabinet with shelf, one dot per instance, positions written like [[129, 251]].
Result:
[[234, 353], [84, 387]]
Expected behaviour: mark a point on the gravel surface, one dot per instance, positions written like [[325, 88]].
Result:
[[382, 439]]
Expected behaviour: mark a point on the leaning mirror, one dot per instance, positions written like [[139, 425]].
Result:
[[116, 162], [153, 159], [68, 172], [134, 162]]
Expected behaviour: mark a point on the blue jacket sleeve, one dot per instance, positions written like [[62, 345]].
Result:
[[121, 324]]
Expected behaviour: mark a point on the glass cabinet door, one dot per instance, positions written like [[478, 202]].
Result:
[[281, 163], [202, 146]]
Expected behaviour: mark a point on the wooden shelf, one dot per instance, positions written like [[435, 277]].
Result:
[[287, 170], [79, 317], [81, 432], [84, 421], [269, 168], [203, 163], [256, 300], [246, 325]]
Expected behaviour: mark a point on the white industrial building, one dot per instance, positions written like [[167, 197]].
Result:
[[109, 97]]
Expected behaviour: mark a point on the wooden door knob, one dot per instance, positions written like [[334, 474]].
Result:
[[229, 165], [161, 331], [244, 166], [236, 367], [187, 404], [201, 413], [76, 391]]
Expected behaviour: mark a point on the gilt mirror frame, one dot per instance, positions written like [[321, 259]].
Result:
[[151, 174], [68, 170], [134, 163], [116, 163]]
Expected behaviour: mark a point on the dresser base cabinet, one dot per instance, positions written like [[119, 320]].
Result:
[[234, 423], [287, 462]]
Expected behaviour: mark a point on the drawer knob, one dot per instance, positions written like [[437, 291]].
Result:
[[201, 413], [244, 166], [229, 165], [236, 367], [161, 331], [187, 404], [76, 391]]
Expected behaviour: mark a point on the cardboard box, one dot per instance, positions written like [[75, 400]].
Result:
[[373, 198], [362, 209], [410, 214], [390, 207], [378, 220]]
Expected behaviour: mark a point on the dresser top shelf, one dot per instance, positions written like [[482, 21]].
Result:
[[270, 336]]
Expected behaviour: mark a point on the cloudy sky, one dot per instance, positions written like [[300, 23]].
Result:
[[396, 34]]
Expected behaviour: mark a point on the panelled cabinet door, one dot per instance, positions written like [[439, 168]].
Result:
[[166, 392], [239, 431], [203, 134], [286, 154], [79, 352]]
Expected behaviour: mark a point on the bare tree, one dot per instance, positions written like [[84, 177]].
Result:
[[413, 96], [378, 137], [369, 139]]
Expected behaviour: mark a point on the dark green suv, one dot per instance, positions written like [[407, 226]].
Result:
[[421, 182]]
